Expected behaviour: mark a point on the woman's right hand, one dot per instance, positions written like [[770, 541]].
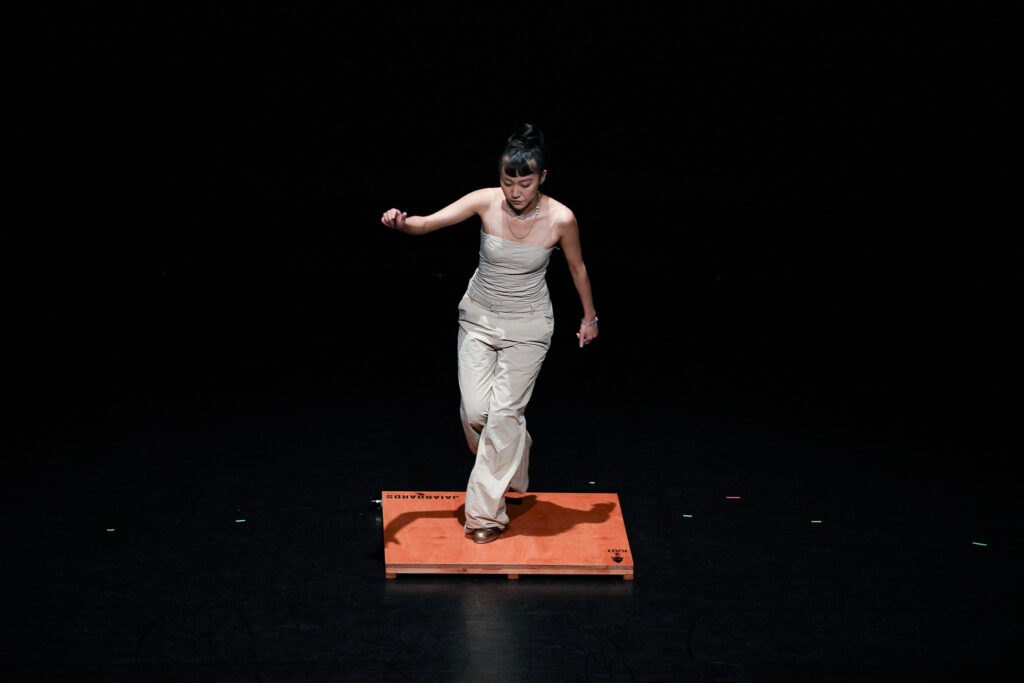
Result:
[[393, 218]]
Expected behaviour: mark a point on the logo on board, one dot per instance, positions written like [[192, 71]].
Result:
[[420, 496], [617, 554]]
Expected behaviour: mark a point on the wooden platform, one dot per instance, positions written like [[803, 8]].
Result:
[[549, 533]]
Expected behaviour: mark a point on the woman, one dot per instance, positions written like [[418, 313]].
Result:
[[505, 319]]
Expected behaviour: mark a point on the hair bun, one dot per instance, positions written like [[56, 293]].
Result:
[[527, 136]]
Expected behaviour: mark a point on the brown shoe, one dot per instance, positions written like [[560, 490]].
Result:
[[485, 535]]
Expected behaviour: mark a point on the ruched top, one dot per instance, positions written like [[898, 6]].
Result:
[[510, 276]]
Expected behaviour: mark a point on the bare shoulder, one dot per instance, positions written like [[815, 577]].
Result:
[[561, 215], [482, 197], [475, 202]]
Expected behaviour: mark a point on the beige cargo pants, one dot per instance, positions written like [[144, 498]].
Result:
[[500, 356]]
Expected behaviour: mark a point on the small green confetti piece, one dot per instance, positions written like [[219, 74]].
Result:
[[688, 516], [239, 520], [985, 545], [109, 529], [815, 521]]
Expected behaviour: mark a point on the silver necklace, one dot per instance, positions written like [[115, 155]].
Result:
[[523, 217], [532, 214]]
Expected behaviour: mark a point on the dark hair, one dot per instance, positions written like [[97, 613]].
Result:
[[524, 152]]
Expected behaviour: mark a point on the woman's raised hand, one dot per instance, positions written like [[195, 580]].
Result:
[[393, 218]]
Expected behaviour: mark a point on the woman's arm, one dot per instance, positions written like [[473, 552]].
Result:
[[456, 212], [570, 243]]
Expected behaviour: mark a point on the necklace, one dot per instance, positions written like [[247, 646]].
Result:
[[533, 214]]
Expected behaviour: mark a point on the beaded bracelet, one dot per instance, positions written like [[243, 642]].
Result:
[[584, 321]]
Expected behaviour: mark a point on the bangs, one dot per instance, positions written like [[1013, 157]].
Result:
[[520, 163]]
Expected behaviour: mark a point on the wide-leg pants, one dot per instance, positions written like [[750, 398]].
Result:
[[500, 356]]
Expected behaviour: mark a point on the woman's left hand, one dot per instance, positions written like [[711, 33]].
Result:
[[587, 334]]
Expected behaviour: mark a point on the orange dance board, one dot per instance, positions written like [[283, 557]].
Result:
[[548, 533]]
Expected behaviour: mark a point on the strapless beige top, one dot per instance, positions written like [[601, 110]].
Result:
[[510, 276]]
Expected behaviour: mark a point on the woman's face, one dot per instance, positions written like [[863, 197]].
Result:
[[521, 191]]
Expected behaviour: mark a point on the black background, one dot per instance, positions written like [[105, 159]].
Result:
[[801, 204]]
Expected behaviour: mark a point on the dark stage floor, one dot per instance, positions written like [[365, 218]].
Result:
[[187, 497]]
